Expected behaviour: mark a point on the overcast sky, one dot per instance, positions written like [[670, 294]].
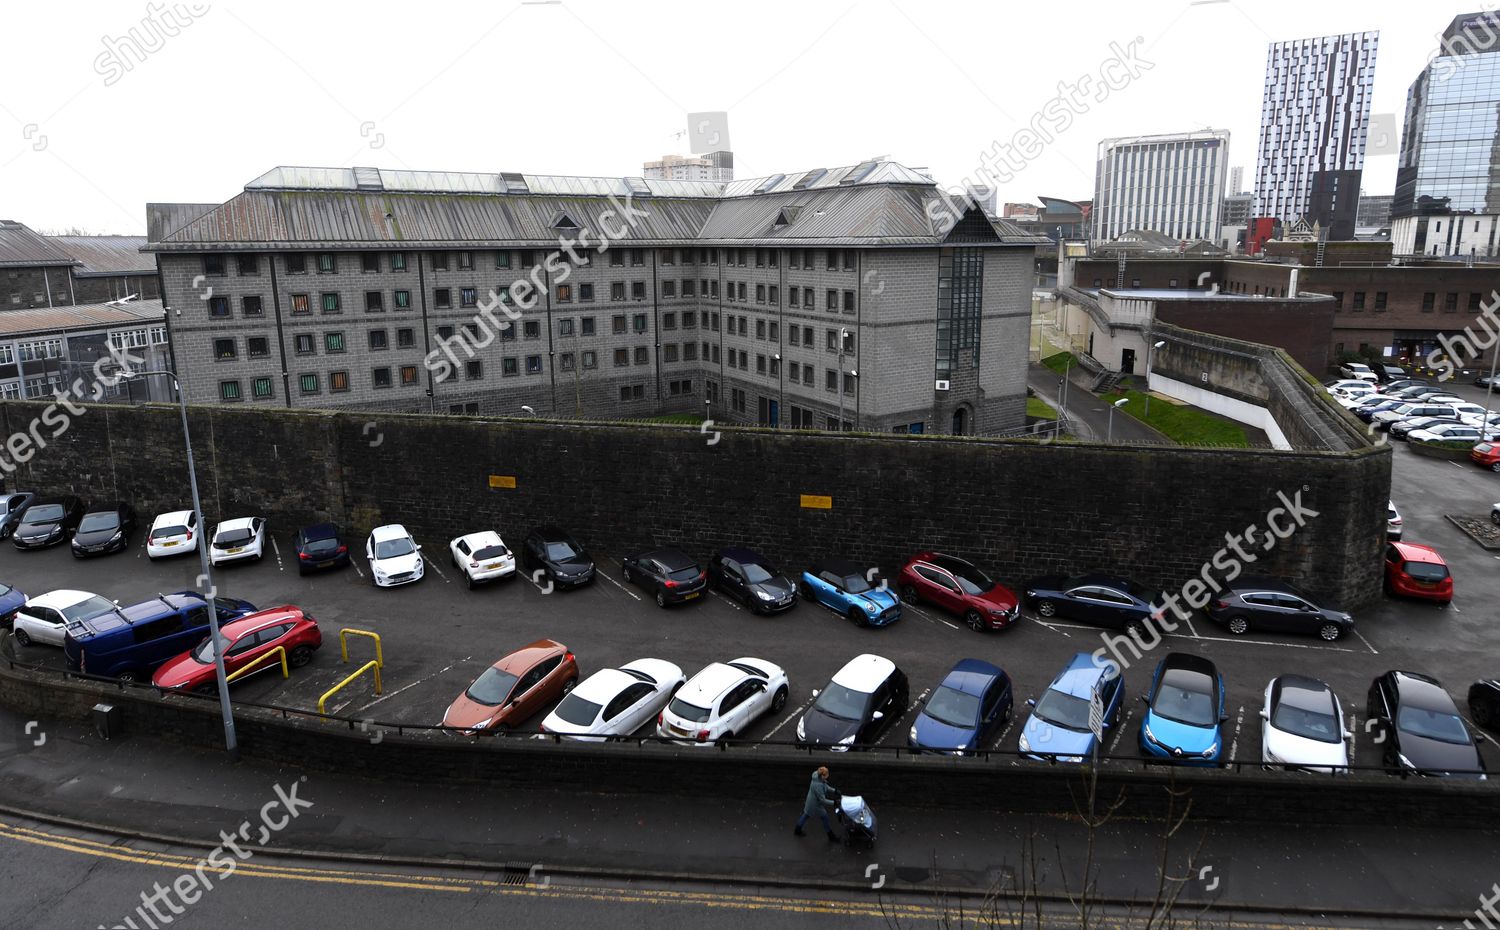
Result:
[[596, 87]]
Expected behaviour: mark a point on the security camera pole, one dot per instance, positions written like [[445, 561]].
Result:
[[231, 744]]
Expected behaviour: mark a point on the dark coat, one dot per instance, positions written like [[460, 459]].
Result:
[[819, 796]]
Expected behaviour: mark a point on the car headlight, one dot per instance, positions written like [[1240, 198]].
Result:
[[763, 595], [481, 725], [998, 611], [1146, 729], [1025, 744], [872, 608], [56, 528], [1274, 759], [913, 734], [1030, 593], [119, 534], [1211, 751], [802, 729], [848, 740], [1405, 762]]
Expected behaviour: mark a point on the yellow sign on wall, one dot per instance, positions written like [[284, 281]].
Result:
[[502, 481], [817, 502]]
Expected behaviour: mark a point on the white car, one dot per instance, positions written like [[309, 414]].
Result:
[[1358, 370], [482, 556], [174, 533], [243, 538], [615, 702], [395, 558], [1393, 522], [722, 700], [1303, 726], [1351, 384], [1445, 432], [45, 618]]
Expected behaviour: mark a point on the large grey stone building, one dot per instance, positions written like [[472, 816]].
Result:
[[860, 297]]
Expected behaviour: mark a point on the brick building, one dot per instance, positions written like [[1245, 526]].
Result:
[[60, 271], [857, 296]]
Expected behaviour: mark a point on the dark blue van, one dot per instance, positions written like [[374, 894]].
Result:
[[128, 643]]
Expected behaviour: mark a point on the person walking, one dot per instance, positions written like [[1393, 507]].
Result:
[[819, 801]]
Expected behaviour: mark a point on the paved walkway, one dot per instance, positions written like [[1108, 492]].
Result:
[[137, 785], [1089, 414]]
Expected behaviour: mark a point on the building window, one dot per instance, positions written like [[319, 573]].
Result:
[[305, 344], [640, 322], [740, 290], [408, 375], [296, 263], [617, 290], [380, 377], [406, 338], [533, 364], [257, 347], [688, 287], [1380, 300], [760, 364], [528, 258], [1338, 299], [224, 349], [509, 366], [566, 361], [327, 263], [1450, 302], [1429, 302], [468, 296], [247, 264], [832, 303], [442, 298], [330, 303], [586, 292], [848, 301], [633, 392], [564, 293], [669, 352], [690, 351], [590, 359], [531, 329], [669, 320], [960, 305], [760, 293], [466, 261], [403, 300], [637, 257], [374, 301], [213, 265], [565, 327], [229, 390], [308, 383], [369, 262], [1359, 300], [473, 369], [378, 340], [793, 372], [622, 358], [398, 263], [617, 259], [218, 306], [260, 388], [445, 333], [338, 381], [333, 342], [638, 290], [1474, 301], [439, 261], [669, 288], [792, 297]]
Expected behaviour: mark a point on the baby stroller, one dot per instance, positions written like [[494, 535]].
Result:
[[857, 819]]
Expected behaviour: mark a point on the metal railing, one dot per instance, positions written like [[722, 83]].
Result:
[[278, 652]]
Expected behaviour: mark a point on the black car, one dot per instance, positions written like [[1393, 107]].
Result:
[[748, 577], [1367, 410], [104, 528], [1419, 729], [320, 546], [1268, 604], [11, 508], [557, 556], [1405, 383], [671, 575], [1389, 374], [47, 521], [864, 699], [1095, 599], [1484, 703]]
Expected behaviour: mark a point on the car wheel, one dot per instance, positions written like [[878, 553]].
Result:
[[1495, 517], [127, 677], [857, 617], [724, 740], [1046, 609], [975, 621], [500, 729], [23, 637], [909, 595], [625, 573], [469, 580], [661, 599], [300, 656], [1239, 626], [1135, 628], [1495, 467], [778, 700], [1330, 632], [206, 689]]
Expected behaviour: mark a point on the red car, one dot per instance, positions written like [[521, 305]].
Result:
[[245, 640], [1415, 570], [959, 588], [515, 688], [1487, 454]]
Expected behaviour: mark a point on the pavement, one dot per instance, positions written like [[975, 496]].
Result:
[[1089, 415]]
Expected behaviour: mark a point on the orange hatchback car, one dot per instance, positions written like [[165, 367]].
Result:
[[515, 689], [1414, 570]]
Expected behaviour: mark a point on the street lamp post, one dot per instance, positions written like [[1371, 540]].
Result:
[[1110, 436], [1150, 353], [231, 744]]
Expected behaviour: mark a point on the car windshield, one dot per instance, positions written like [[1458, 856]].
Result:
[[1182, 702], [561, 551], [843, 703], [1311, 724], [577, 711], [99, 521], [492, 687], [204, 654], [224, 606], [975, 585], [91, 606], [1426, 571], [859, 584], [953, 707], [1063, 710], [163, 532], [755, 574], [490, 552], [233, 537], [1406, 408], [689, 712], [392, 548], [1433, 724], [46, 513]]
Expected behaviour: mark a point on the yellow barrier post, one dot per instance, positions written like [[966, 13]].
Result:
[[368, 666], [344, 644], [278, 652]]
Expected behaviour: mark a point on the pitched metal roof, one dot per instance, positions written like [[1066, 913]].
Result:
[[20, 247], [873, 203], [163, 219], [107, 255], [41, 320]]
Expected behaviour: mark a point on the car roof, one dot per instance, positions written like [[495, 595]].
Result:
[[271, 616], [864, 673], [744, 556], [1416, 552], [673, 559], [972, 676], [711, 681], [170, 517], [238, 523], [1118, 582], [1080, 676], [1303, 692], [60, 599], [604, 684], [389, 531], [1423, 691], [481, 539], [1266, 583], [840, 567], [524, 658]]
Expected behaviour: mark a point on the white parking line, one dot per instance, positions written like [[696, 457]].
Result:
[[355, 566], [1239, 721], [1009, 725], [1120, 729], [895, 727], [1054, 627], [1353, 742], [391, 694], [617, 584], [926, 616], [1373, 650], [277, 549], [789, 718], [725, 599], [1191, 628], [433, 565]]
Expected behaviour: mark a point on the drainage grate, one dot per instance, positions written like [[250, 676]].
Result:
[[515, 875]]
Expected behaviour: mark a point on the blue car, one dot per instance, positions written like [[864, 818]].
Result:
[[1058, 728], [857, 592], [971, 705], [11, 600], [1185, 715]]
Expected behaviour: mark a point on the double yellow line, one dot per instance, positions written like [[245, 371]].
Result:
[[255, 868]]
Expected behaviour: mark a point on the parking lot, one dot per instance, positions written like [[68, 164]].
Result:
[[438, 635]]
